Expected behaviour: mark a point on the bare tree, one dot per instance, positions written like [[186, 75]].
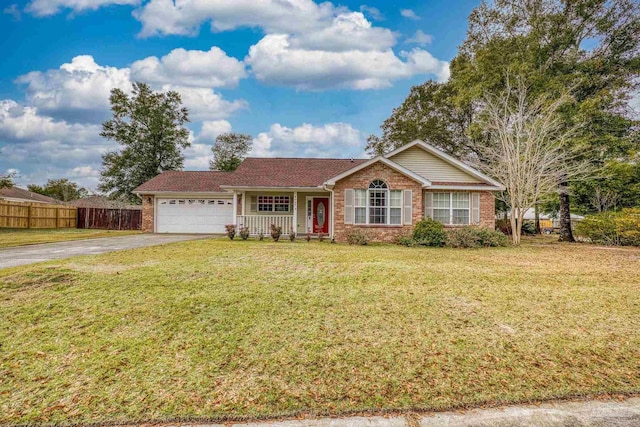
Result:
[[526, 148], [603, 200]]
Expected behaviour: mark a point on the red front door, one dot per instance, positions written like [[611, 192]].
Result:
[[321, 215]]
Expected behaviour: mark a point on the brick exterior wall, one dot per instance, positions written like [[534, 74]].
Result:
[[147, 213], [361, 180], [488, 210]]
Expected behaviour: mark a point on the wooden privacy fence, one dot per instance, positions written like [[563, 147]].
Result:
[[110, 219], [37, 215]]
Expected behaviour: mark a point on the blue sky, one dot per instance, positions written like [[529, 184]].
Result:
[[303, 78]]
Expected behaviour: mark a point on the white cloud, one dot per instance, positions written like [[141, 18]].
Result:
[[372, 12], [14, 11], [79, 89], [205, 104], [186, 17], [329, 140], [44, 148], [212, 128], [420, 38], [274, 61], [198, 155], [197, 68], [409, 14], [347, 31], [307, 45], [51, 7]]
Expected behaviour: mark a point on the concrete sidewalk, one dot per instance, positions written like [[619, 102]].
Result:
[[30, 254], [594, 413]]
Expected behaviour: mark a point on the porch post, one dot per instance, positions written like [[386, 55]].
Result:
[[235, 208], [294, 223], [244, 203]]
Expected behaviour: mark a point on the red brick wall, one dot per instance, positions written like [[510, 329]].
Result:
[[148, 203], [361, 180], [487, 210]]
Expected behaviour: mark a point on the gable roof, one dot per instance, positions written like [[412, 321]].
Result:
[[26, 195], [424, 181], [449, 159], [289, 172], [185, 181]]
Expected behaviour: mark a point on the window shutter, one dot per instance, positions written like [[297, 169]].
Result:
[[408, 207], [475, 208], [348, 206], [428, 205], [254, 204]]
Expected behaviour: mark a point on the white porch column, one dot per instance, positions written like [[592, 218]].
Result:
[[244, 203], [235, 208], [295, 213]]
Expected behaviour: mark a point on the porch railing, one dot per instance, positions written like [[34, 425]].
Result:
[[262, 223]]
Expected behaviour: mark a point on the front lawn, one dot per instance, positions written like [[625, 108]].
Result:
[[20, 237], [214, 329]]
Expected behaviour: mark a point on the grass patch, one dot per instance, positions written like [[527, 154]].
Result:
[[214, 329], [19, 237]]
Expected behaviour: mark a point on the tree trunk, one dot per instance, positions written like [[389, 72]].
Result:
[[515, 228], [537, 219], [566, 235]]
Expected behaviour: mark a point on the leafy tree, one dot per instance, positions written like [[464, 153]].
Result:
[[60, 189], [617, 186], [587, 46], [229, 151], [149, 126], [6, 179], [429, 114]]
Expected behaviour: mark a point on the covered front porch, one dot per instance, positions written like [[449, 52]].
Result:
[[301, 211]]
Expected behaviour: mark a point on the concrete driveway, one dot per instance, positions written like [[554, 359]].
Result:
[[23, 255]]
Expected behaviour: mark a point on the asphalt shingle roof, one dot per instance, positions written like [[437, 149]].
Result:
[[253, 172]]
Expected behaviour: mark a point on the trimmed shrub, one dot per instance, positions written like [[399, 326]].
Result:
[[612, 228], [475, 237], [320, 237], [429, 232], [358, 237], [276, 232], [292, 235], [261, 236], [231, 230], [308, 238], [244, 233]]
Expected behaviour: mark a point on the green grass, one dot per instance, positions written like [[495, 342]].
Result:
[[19, 237], [214, 329]]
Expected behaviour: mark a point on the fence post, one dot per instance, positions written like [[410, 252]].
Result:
[[29, 216], [57, 216]]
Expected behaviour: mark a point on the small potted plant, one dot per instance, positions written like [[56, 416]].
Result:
[[244, 233], [261, 236], [308, 236], [292, 235], [276, 232], [231, 230]]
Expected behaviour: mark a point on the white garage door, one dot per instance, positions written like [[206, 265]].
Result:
[[193, 215]]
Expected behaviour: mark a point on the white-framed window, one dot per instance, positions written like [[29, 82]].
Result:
[[378, 205], [273, 203], [452, 208]]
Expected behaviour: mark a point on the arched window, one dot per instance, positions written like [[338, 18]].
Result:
[[378, 204]]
